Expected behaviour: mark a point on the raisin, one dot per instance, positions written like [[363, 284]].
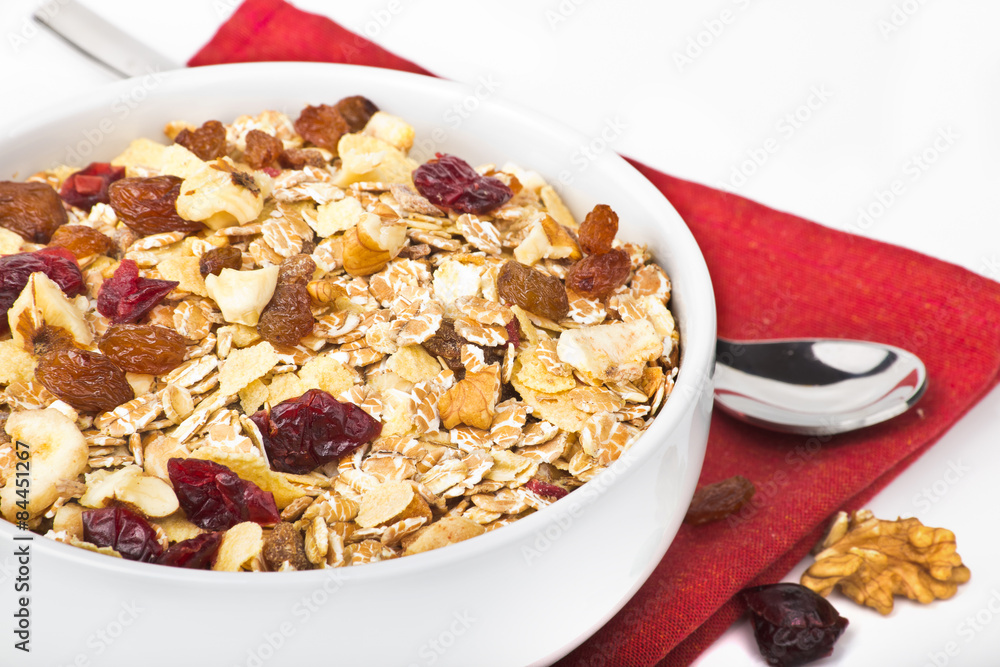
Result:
[[86, 380], [598, 230], [82, 241], [57, 263], [449, 182], [447, 344], [792, 624], [216, 259], [90, 185], [717, 501], [597, 276], [125, 297], [215, 498], [149, 205], [536, 485], [33, 210], [124, 531], [322, 126], [300, 158], [207, 142], [533, 290], [143, 348], [357, 110], [285, 545], [263, 149], [196, 553], [303, 433], [287, 317]]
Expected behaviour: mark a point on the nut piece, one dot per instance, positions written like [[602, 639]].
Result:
[[149, 495], [240, 543], [40, 304], [242, 295], [610, 352], [448, 530], [372, 242], [57, 451], [285, 545], [391, 501], [471, 401], [876, 559]]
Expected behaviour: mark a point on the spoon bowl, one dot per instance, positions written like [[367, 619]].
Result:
[[816, 386]]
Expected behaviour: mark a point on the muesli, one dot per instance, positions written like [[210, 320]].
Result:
[[283, 344]]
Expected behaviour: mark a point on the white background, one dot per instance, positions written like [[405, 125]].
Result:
[[873, 116]]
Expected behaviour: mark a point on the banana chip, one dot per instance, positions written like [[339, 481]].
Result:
[[240, 543]]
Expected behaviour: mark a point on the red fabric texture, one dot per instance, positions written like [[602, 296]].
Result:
[[775, 275]]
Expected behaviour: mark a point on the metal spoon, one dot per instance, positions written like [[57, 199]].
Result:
[[816, 386]]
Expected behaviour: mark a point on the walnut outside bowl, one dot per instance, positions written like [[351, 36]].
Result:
[[522, 595]]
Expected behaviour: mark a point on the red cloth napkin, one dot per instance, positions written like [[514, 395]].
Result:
[[775, 275]]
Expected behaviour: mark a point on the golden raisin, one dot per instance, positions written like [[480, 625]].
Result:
[[597, 276], [216, 259], [149, 205], [143, 348], [533, 290], [207, 142], [263, 149], [33, 210], [86, 380], [719, 500], [598, 230], [82, 241]]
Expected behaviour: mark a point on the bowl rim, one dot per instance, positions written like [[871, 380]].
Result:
[[693, 374]]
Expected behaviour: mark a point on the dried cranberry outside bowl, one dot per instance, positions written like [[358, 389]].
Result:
[[525, 594]]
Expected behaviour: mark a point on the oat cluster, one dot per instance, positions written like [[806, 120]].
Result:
[[306, 258]]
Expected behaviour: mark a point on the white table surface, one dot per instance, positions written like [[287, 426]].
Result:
[[838, 103]]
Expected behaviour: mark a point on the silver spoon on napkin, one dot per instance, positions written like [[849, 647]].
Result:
[[816, 386]]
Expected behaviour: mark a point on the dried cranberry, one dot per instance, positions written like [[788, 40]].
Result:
[[124, 531], [303, 433], [89, 186], [536, 485], [33, 210], [216, 498], [196, 553], [450, 182], [792, 624], [514, 332], [126, 297], [57, 263]]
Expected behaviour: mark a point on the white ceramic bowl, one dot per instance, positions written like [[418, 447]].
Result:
[[526, 594]]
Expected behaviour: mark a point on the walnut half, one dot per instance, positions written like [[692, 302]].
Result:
[[872, 560]]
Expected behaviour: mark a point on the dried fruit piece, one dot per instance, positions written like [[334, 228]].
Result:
[[872, 560], [288, 315], [285, 545], [57, 263], [447, 344], [532, 290], [597, 276], [143, 348], [149, 205], [216, 498], [89, 186], [207, 142], [303, 433], [216, 259], [717, 501], [598, 230], [300, 158], [263, 149], [125, 297], [82, 241], [536, 485], [322, 126], [792, 625], [124, 531], [195, 553], [356, 110], [86, 380], [450, 182], [33, 210]]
